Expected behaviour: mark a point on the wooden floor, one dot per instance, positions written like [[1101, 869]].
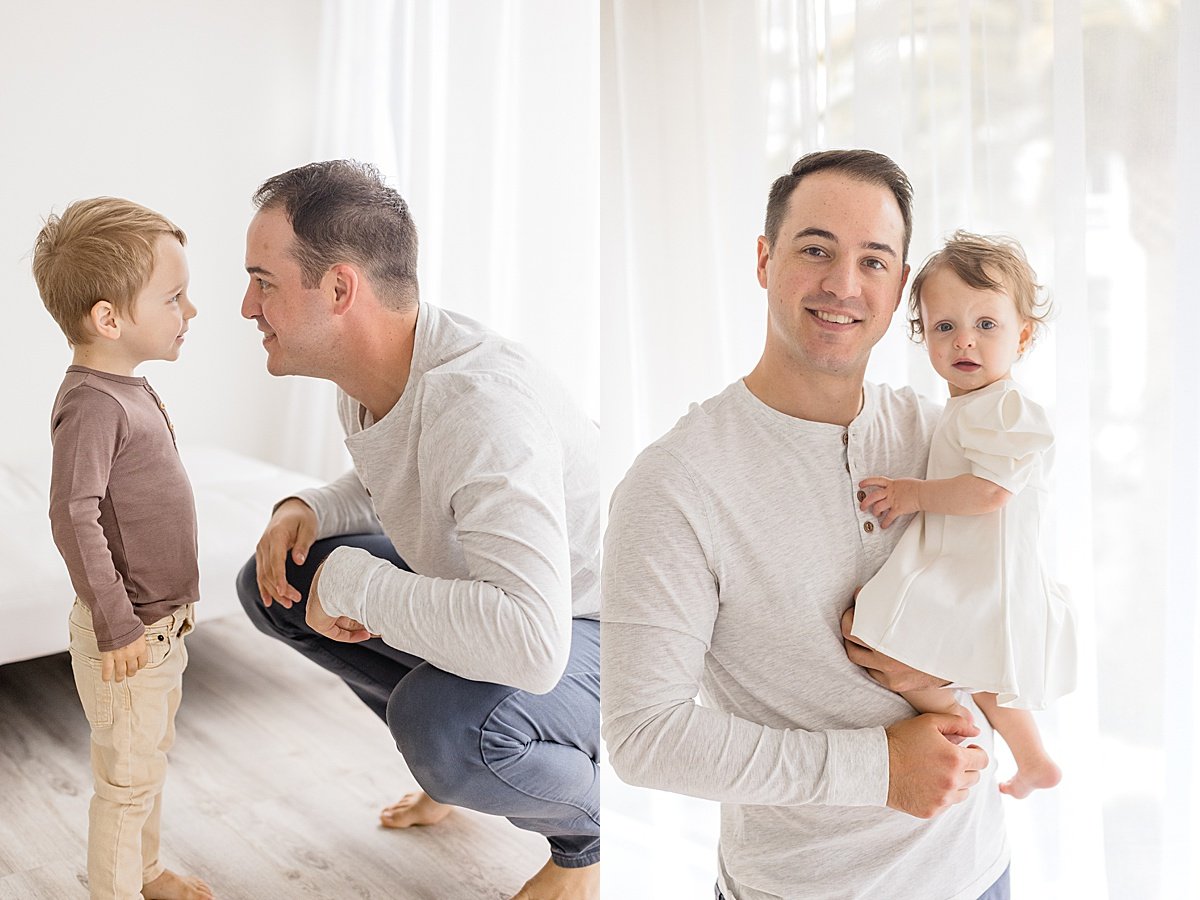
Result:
[[274, 788]]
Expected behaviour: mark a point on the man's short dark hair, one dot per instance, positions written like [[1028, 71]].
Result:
[[863, 165], [341, 211]]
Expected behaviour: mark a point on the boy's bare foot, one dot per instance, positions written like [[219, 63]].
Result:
[[1042, 774], [173, 886], [556, 883], [414, 809]]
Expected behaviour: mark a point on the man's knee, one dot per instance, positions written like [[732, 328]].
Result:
[[436, 719]]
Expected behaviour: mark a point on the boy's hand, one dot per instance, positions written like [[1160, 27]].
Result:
[[293, 527], [124, 662], [341, 628], [895, 497]]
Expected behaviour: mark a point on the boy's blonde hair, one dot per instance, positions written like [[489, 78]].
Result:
[[98, 249], [986, 262]]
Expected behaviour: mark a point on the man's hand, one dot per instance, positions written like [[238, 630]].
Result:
[[927, 771], [895, 497], [341, 628], [293, 527], [124, 662], [893, 675]]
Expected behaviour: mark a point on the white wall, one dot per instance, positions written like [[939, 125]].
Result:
[[185, 108]]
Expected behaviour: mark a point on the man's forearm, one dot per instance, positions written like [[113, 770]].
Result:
[[660, 739], [342, 507], [472, 628]]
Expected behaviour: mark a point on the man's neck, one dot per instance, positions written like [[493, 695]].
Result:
[[805, 394], [376, 361]]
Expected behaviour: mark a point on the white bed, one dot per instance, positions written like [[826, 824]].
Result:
[[234, 496]]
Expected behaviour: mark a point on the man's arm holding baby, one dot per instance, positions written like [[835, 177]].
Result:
[[659, 612], [963, 495], [908, 762], [893, 675]]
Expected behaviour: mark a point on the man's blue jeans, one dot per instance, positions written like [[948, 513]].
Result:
[[532, 758]]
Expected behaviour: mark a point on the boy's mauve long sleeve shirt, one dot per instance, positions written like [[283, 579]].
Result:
[[121, 506]]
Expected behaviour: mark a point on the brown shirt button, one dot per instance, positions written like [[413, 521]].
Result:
[[845, 438], [862, 495], [868, 527]]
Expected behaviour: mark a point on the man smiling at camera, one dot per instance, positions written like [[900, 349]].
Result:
[[734, 548]]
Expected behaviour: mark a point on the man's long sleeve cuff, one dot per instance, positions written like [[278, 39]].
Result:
[[345, 576], [857, 767]]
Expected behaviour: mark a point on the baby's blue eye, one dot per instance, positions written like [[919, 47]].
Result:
[[987, 324], [942, 326]]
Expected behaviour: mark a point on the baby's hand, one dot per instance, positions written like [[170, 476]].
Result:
[[895, 497], [124, 662]]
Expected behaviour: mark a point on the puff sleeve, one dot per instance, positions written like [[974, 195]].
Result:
[[1004, 436]]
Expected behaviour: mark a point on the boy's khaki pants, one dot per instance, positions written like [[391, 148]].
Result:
[[133, 727]]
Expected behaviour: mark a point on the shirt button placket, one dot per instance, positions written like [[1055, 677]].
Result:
[[868, 526]]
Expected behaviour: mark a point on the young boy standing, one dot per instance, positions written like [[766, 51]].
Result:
[[114, 276]]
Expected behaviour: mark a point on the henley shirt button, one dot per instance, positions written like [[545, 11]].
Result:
[[868, 527], [845, 438], [862, 495]]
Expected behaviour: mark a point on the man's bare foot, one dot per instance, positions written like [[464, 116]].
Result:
[[556, 883], [417, 808], [173, 886], [1042, 774]]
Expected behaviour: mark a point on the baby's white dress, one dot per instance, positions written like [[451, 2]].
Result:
[[967, 598]]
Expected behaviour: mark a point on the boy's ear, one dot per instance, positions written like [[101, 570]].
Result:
[[102, 320]]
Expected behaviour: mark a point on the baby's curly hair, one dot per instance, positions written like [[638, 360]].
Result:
[[986, 262]]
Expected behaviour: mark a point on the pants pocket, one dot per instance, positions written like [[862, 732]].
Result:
[[159, 646], [95, 694], [164, 639]]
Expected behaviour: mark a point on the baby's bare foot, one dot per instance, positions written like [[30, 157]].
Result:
[[1041, 774], [414, 809], [172, 886], [556, 883]]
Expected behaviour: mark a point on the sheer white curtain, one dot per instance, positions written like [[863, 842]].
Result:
[[1071, 126], [482, 113], [590, 178]]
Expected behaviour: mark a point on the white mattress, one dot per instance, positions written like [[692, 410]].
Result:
[[234, 496]]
